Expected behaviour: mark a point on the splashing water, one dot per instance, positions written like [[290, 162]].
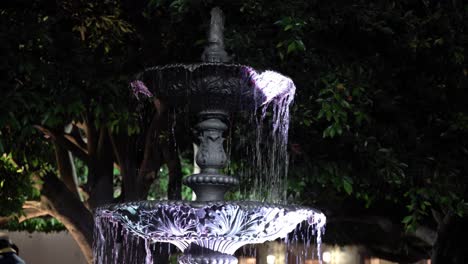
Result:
[[271, 85], [138, 87], [268, 167], [222, 226]]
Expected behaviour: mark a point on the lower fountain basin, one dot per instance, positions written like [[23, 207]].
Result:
[[222, 226]]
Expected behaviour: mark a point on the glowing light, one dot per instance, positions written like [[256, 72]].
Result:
[[271, 84], [270, 259], [326, 257]]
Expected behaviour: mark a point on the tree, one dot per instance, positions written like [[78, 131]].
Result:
[[388, 106], [378, 131], [66, 56]]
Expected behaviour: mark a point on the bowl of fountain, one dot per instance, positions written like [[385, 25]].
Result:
[[209, 229]]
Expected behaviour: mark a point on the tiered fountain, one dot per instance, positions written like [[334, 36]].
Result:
[[210, 229]]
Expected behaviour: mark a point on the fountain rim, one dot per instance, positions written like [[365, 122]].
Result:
[[313, 216], [191, 67], [153, 204], [237, 91]]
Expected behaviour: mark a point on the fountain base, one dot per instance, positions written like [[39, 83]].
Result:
[[200, 255]]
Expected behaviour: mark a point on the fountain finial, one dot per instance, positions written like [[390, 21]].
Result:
[[214, 51]]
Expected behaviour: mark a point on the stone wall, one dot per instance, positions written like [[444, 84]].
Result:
[[50, 248]]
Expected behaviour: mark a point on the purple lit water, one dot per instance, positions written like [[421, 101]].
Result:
[[271, 95], [219, 226], [128, 233], [268, 155]]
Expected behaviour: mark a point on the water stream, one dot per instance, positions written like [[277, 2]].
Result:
[[267, 155], [129, 233]]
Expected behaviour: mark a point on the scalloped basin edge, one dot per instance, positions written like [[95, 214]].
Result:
[[219, 226]]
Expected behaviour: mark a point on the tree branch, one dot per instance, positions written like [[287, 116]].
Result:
[[66, 168], [92, 135], [75, 138], [59, 138], [101, 171], [31, 209], [32, 213]]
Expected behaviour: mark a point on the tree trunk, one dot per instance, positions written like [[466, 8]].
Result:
[[450, 246], [101, 171], [136, 179], [70, 211], [139, 159], [66, 168]]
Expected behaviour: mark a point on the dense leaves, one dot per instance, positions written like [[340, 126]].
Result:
[[15, 186], [39, 224]]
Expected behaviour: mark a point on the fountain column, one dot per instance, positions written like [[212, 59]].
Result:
[[210, 184], [214, 51]]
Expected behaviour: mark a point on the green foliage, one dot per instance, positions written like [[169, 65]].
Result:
[[40, 224], [15, 186], [388, 105], [159, 188], [176, 6], [342, 105], [292, 29], [98, 23], [59, 69], [438, 196], [81, 171]]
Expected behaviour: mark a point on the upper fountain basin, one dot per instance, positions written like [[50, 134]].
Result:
[[222, 226], [208, 86]]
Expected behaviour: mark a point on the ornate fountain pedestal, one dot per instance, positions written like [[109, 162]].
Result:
[[210, 184]]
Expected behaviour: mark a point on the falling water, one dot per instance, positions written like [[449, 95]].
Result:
[[266, 96], [127, 233], [268, 166]]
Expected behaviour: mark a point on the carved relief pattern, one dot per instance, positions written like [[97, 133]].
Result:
[[211, 152], [208, 85], [222, 227]]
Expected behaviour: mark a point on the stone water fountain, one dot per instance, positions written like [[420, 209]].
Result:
[[210, 229]]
